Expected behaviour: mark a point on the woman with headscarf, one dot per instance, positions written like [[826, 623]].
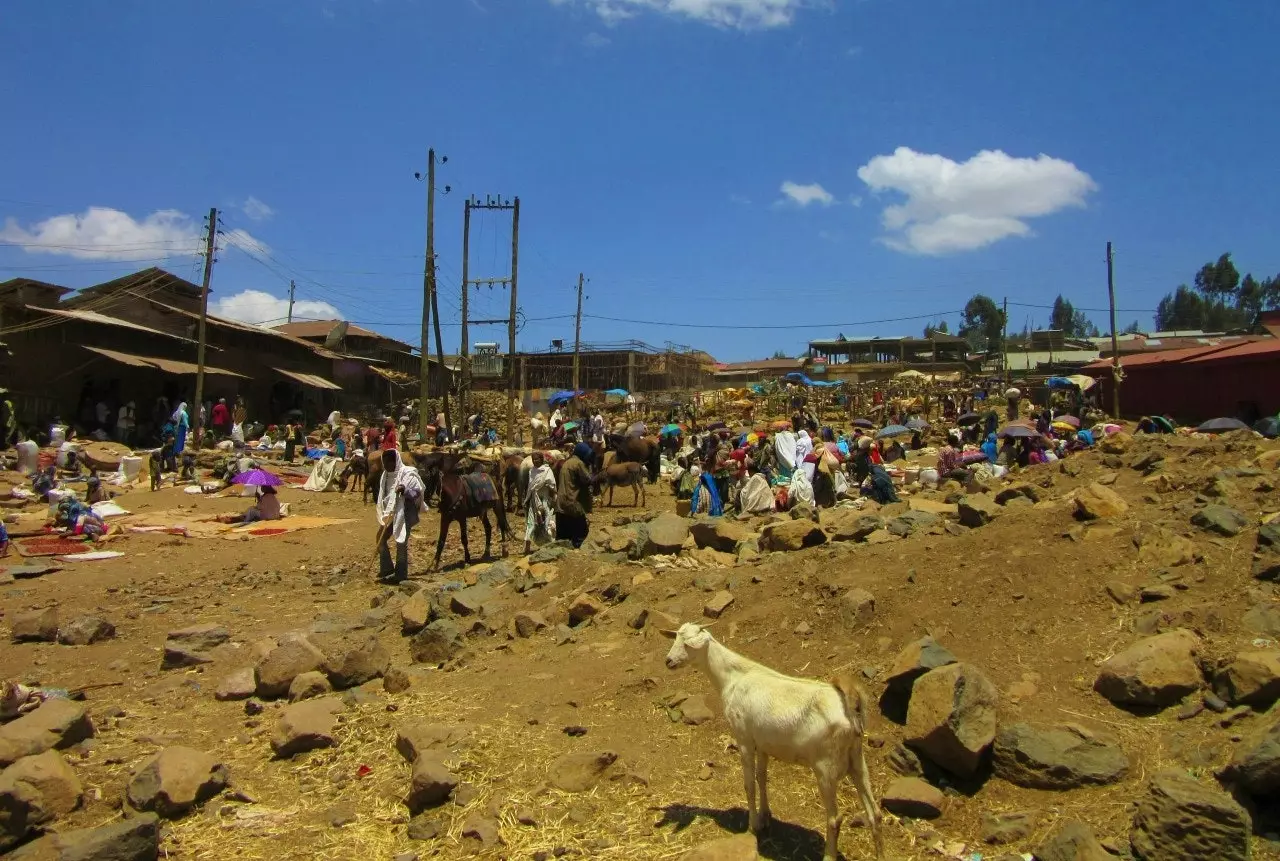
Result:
[[181, 424], [804, 448], [400, 502], [573, 499], [989, 448], [539, 504]]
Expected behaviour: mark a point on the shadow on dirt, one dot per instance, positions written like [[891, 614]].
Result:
[[781, 840]]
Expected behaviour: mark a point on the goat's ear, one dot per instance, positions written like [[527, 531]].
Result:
[[670, 635]]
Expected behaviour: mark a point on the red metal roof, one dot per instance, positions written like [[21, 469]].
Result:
[[1261, 347]]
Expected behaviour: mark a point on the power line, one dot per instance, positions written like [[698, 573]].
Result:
[[825, 324]]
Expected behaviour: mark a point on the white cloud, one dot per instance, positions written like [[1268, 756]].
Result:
[[962, 206], [594, 41], [102, 233], [736, 14], [256, 209], [258, 307], [803, 195], [244, 241]]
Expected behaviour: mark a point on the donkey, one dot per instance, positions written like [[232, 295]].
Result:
[[468, 495]]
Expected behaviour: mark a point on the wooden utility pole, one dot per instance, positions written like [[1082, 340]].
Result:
[[1115, 341], [577, 336], [428, 288], [435, 312], [1004, 342], [511, 325], [464, 362], [511, 320], [209, 242], [291, 288]]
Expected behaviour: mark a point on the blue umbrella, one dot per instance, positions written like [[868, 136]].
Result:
[[1222, 425], [917, 424], [893, 430], [1018, 430], [1268, 426], [671, 430], [865, 424]]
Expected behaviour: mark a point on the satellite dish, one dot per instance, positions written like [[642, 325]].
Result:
[[338, 334]]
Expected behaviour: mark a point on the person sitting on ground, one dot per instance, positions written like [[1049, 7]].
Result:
[[893, 451], [267, 507], [95, 492]]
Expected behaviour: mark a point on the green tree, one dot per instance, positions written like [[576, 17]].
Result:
[[1180, 310], [1072, 323], [1132, 329], [1221, 300], [982, 324], [931, 329], [779, 354]]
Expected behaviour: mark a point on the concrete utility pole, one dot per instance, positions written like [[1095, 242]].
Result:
[[512, 319], [577, 335], [464, 361], [428, 287], [1115, 341], [209, 242], [289, 319]]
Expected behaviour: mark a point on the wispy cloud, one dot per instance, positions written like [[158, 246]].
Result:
[[740, 200], [794, 193], [732, 14], [256, 210], [102, 233], [258, 307], [594, 41]]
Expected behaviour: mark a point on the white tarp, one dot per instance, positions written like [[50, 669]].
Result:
[[324, 475]]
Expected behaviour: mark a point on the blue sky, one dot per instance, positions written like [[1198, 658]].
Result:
[[653, 144]]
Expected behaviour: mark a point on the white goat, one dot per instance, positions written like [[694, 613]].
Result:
[[804, 721]]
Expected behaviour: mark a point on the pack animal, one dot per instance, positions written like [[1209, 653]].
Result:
[[802, 721], [466, 495], [356, 472], [636, 449], [631, 475]]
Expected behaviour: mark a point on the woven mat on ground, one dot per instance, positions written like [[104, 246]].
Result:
[[266, 528], [172, 522], [52, 545]]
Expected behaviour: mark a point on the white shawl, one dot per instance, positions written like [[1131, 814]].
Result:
[[391, 504]]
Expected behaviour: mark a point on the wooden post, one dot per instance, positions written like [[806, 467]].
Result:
[[1115, 341], [464, 362], [209, 243], [511, 324], [577, 336], [428, 286]]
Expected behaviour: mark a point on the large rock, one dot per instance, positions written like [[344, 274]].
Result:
[[35, 626], [34, 791], [1263, 619], [857, 608], [308, 725], [1098, 502], [238, 685], [856, 527], [1220, 519], [438, 642], [418, 739], [175, 780], [977, 509], [1266, 552], [792, 535], [1061, 757], [910, 522], [665, 534], [952, 717], [579, 772], [431, 784], [584, 607], [1116, 443], [354, 660], [1252, 678], [1157, 671], [292, 657], [527, 623], [910, 664], [85, 631], [1027, 491], [306, 686], [56, 724], [1255, 768], [913, 798], [472, 600], [134, 839], [416, 613], [1159, 547], [189, 647], [739, 847], [1180, 819], [1074, 841], [718, 533]]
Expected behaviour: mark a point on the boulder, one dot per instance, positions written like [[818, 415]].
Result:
[[1255, 768], [1060, 757], [1074, 841], [85, 631], [1263, 619], [471, 601], [584, 607], [482, 830], [1001, 828], [308, 686], [952, 717], [1252, 678], [353, 660], [304, 726], [396, 681], [1157, 671], [431, 784], [438, 642], [579, 772], [34, 791], [175, 780], [791, 535], [977, 509], [239, 685], [55, 724], [665, 535], [292, 657], [718, 533], [134, 839], [1159, 547], [1266, 552], [1180, 819], [717, 604], [528, 623], [189, 647], [910, 664], [910, 522], [1098, 502], [35, 626], [414, 740], [1026, 491], [1115, 443], [416, 613], [1220, 519], [739, 847], [913, 798], [857, 608]]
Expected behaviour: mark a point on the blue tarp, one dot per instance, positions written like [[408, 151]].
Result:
[[1059, 383], [620, 393], [563, 397], [797, 377]]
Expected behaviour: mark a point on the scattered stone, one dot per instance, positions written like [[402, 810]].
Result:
[[1191, 708], [1156, 592], [239, 685], [189, 647], [176, 780], [1180, 819], [528, 623], [665, 534], [1255, 768], [416, 613], [578, 772], [802, 629], [1116, 443], [739, 847], [34, 791], [438, 642], [1252, 678], [718, 603], [85, 631], [471, 601], [1157, 671], [857, 608], [856, 527], [308, 686], [1024, 491], [134, 839], [423, 828], [414, 740], [305, 726], [1263, 619], [904, 761], [395, 680], [718, 533], [910, 664], [35, 626], [342, 815], [482, 829], [790, 535], [56, 724], [584, 607], [1061, 757], [292, 657], [1266, 552], [976, 510], [1220, 519], [1000, 828], [1121, 592], [952, 717], [1159, 547], [430, 785], [695, 711], [1097, 502], [1074, 841], [354, 660], [913, 798]]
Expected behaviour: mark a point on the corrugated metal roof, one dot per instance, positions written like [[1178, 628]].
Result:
[[308, 379], [1261, 347], [103, 320], [169, 366]]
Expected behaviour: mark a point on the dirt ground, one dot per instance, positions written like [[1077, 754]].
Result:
[[1022, 598]]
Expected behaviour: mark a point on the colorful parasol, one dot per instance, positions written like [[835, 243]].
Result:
[[258, 478]]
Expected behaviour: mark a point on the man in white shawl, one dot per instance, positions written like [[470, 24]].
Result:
[[400, 503], [539, 504]]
